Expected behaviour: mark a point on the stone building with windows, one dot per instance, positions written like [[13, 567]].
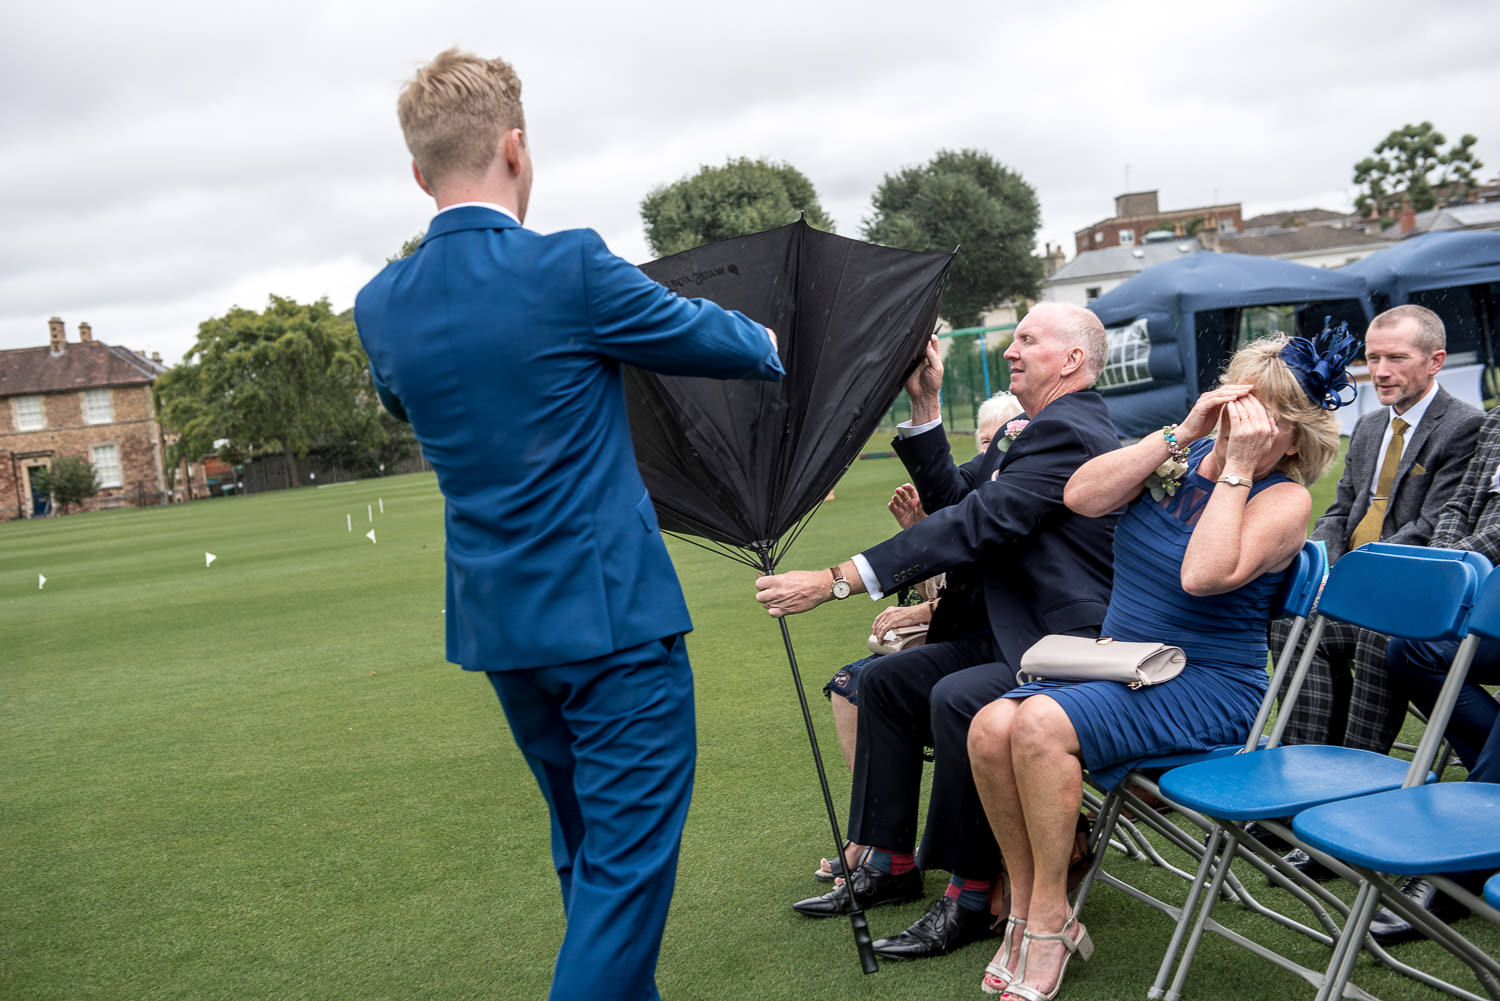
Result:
[[83, 399]]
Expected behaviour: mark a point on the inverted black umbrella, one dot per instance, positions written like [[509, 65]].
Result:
[[741, 466]]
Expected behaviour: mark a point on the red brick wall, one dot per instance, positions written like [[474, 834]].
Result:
[[134, 431]]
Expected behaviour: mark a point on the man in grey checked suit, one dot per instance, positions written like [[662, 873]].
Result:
[[1405, 461]]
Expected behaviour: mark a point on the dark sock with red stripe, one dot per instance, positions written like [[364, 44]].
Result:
[[894, 863], [971, 894]]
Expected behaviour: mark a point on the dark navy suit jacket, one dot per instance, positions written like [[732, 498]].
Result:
[[503, 349], [1041, 568]]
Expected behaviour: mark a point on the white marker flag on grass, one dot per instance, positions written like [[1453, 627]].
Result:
[[349, 522], [382, 504], [370, 510], [41, 582], [208, 559], [370, 535]]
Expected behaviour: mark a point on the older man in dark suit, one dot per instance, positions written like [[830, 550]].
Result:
[[1039, 568], [1404, 461]]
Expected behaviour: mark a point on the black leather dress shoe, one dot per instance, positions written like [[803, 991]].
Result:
[[1265, 837], [871, 889], [1309, 866], [945, 927], [1389, 928]]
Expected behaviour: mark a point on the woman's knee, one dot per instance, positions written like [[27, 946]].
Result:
[[1042, 727], [989, 733]]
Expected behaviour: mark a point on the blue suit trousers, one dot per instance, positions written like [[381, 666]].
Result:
[[613, 744]]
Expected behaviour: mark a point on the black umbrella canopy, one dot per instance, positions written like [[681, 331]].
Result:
[[740, 463]]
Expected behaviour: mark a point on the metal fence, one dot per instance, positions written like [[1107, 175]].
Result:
[[974, 368]]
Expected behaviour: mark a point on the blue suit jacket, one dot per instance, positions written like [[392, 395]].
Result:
[[503, 349], [999, 520]]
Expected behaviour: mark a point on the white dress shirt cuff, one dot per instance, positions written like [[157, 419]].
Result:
[[908, 430], [867, 574]]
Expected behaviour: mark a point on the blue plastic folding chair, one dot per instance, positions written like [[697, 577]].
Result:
[[1300, 587], [1492, 891], [1415, 593], [1418, 830]]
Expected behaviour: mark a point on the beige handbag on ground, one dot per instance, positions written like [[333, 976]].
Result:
[[1079, 658]]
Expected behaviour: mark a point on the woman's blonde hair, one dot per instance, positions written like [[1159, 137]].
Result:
[[1315, 431]]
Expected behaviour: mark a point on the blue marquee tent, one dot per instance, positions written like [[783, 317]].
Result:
[[1172, 327], [1455, 274]]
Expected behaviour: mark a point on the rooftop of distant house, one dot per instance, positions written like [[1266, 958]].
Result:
[[86, 363]]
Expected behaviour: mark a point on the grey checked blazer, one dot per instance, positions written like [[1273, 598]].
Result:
[[1432, 464], [1471, 518]]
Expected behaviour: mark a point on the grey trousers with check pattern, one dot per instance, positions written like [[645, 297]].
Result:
[[1347, 697]]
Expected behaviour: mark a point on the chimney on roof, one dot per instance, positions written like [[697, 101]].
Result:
[[1408, 216], [58, 334], [85, 334], [156, 357]]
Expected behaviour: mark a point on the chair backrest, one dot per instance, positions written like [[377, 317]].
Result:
[[1478, 562], [1303, 579], [1408, 591], [1415, 595]]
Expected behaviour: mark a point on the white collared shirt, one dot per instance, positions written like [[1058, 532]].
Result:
[[1412, 417], [481, 205]]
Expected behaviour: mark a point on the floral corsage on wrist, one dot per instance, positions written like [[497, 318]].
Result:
[[1167, 477], [1011, 432]]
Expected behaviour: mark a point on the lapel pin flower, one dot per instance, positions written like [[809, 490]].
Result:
[[1011, 432]]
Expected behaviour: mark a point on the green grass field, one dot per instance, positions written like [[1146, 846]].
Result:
[[260, 779]]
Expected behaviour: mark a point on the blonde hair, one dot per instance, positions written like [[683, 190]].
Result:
[[1315, 431], [454, 111]]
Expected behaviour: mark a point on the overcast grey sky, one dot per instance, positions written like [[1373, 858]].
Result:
[[161, 163]]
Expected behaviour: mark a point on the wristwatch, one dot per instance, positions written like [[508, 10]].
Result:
[[1235, 480], [840, 585]]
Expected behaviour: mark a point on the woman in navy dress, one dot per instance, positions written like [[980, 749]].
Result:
[[1210, 525]]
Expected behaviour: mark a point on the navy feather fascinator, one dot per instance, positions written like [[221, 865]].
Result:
[[1320, 363]]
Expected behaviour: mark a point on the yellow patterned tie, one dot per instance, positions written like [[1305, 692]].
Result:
[[1368, 529]]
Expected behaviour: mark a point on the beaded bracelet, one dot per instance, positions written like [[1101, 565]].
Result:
[[1176, 451]]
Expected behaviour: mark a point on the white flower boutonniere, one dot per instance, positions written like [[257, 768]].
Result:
[[1011, 432], [1165, 479]]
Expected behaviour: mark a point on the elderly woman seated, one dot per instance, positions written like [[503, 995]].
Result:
[[1210, 523]]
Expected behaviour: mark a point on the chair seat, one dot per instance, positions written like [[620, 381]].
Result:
[[1280, 781], [1438, 828], [1492, 891], [1187, 758]]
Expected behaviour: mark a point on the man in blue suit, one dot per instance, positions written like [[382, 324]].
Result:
[[503, 348], [1024, 566]]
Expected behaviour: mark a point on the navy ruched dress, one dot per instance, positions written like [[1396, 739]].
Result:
[[1215, 698]]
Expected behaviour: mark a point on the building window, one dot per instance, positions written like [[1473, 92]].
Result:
[[29, 413], [107, 465], [98, 406], [1127, 237], [1098, 236], [1226, 226], [1092, 293], [1129, 357]]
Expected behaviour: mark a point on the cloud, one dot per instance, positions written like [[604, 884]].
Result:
[[166, 161]]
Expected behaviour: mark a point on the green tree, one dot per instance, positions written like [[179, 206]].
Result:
[[408, 248], [1412, 161], [964, 199], [719, 203], [71, 480], [290, 380]]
